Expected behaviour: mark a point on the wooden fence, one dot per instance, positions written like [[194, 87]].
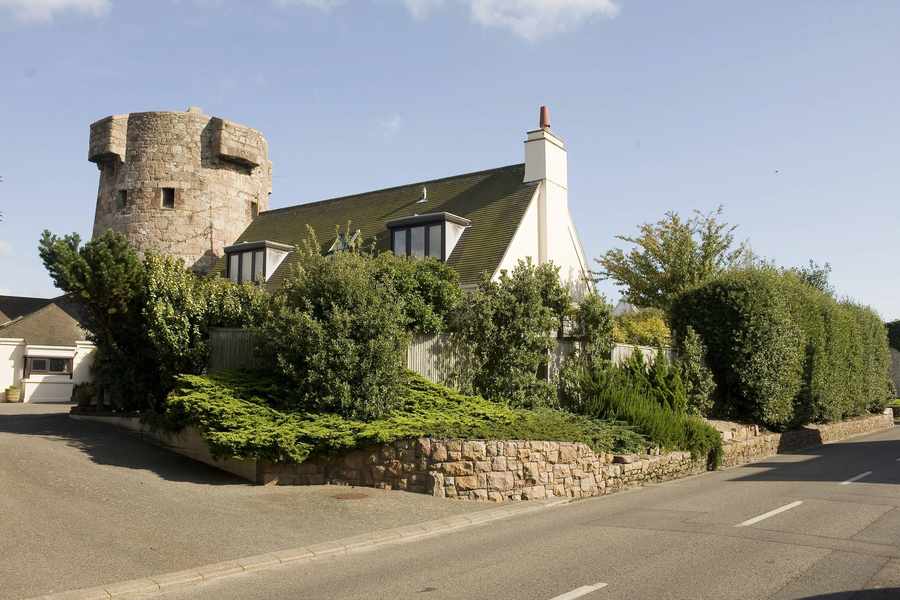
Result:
[[432, 356]]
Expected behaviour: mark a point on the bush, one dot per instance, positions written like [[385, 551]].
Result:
[[337, 332], [698, 379], [646, 327], [244, 415], [893, 329], [784, 352], [149, 318], [616, 394], [505, 332], [659, 380]]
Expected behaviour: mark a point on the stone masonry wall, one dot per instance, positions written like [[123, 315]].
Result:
[[219, 170], [487, 470]]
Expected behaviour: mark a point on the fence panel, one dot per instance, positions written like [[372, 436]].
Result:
[[431, 356], [231, 349]]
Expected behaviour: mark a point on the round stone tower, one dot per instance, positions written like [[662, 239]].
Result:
[[180, 183]]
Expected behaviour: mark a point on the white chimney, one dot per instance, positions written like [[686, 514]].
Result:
[[545, 155]]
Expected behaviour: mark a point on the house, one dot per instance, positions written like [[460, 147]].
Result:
[[481, 222], [44, 351]]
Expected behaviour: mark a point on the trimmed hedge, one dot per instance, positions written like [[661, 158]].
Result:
[[784, 353], [244, 415]]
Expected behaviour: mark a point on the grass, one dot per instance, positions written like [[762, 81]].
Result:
[[240, 414]]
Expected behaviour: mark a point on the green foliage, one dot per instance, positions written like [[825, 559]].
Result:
[[698, 379], [243, 415], [660, 380], [594, 322], [337, 332], [784, 352], [84, 394], [618, 394], [505, 332], [672, 256], [646, 327], [755, 347], [816, 276], [148, 318], [427, 288]]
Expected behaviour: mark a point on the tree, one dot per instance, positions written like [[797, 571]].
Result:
[[505, 332], [816, 275], [672, 256]]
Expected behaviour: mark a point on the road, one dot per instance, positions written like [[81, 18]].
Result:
[[821, 524], [84, 504]]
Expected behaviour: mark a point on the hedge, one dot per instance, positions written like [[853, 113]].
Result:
[[785, 353]]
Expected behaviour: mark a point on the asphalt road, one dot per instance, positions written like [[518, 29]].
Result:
[[84, 504], [822, 524]]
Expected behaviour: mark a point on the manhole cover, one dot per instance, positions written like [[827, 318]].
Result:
[[351, 496]]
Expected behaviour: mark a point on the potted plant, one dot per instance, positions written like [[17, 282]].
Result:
[[13, 394]]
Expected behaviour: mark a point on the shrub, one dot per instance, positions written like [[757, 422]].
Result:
[[698, 379], [149, 318], [755, 349], [646, 327], [893, 329], [785, 352], [659, 380], [243, 415], [614, 393], [337, 332], [505, 332]]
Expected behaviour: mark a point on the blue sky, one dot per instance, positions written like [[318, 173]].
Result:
[[784, 112]]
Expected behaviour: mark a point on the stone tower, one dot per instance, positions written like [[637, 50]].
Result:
[[180, 183]]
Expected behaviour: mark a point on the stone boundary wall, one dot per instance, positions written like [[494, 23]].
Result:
[[763, 444], [504, 470], [487, 470]]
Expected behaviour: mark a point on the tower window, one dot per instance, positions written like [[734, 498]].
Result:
[[168, 197], [122, 199], [254, 209]]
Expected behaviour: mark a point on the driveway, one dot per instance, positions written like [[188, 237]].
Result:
[[84, 504]]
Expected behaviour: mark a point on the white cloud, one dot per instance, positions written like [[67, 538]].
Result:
[[421, 9], [45, 10], [320, 4], [534, 19], [390, 126]]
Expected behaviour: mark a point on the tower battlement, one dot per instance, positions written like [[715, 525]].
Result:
[[180, 183]]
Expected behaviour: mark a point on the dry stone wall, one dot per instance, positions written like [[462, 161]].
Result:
[[220, 173]]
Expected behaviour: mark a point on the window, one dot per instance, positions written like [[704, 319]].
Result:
[[254, 209], [435, 241], [234, 269], [122, 199], [400, 242], [417, 242], [168, 197], [247, 266], [259, 265], [60, 366]]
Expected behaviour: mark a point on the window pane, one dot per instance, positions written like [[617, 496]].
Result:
[[418, 242], [258, 266], [58, 365], [233, 266], [246, 266], [400, 242], [434, 241], [168, 197], [38, 364]]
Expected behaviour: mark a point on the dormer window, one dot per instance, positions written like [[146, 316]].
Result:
[[254, 262], [433, 235]]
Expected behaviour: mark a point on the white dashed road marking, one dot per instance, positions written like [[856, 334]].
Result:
[[579, 592], [771, 513], [857, 478]]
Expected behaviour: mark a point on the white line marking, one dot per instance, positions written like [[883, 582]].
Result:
[[898, 460], [857, 478], [582, 591], [771, 513]]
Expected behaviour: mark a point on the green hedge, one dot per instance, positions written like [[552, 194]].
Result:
[[785, 353], [242, 414]]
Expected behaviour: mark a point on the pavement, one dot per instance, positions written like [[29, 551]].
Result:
[[84, 504], [821, 524]]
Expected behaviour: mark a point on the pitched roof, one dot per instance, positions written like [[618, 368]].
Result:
[[494, 201], [55, 324], [13, 307]]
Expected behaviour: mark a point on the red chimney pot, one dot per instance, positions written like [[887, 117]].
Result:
[[545, 117]]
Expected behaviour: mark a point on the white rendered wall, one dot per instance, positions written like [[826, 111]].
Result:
[[525, 241], [81, 364], [12, 357]]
